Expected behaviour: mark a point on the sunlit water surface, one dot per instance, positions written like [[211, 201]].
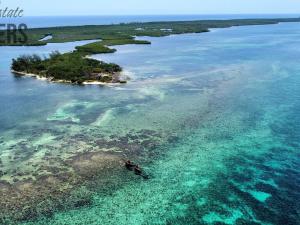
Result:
[[220, 111]]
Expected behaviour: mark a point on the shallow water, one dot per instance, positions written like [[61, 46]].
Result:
[[212, 118]]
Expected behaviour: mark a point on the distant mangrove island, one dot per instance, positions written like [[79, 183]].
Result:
[[76, 67]]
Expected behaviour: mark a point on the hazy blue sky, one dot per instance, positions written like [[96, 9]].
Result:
[[112, 7]]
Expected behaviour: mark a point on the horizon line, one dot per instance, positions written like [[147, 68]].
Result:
[[202, 14]]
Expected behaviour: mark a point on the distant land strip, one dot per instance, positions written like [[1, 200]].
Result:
[[125, 33]]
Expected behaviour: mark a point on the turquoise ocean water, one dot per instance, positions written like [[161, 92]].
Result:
[[213, 118]]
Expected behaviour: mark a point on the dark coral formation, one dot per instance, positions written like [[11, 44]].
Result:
[[60, 182]]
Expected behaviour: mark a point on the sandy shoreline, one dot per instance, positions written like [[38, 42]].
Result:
[[64, 81]]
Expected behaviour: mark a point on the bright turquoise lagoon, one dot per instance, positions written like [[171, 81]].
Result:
[[213, 118]]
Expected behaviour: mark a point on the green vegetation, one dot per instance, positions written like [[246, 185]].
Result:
[[124, 33], [72, 67], [101, 46], [94, 48]]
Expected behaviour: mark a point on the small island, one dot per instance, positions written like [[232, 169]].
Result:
[[73, 67]]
